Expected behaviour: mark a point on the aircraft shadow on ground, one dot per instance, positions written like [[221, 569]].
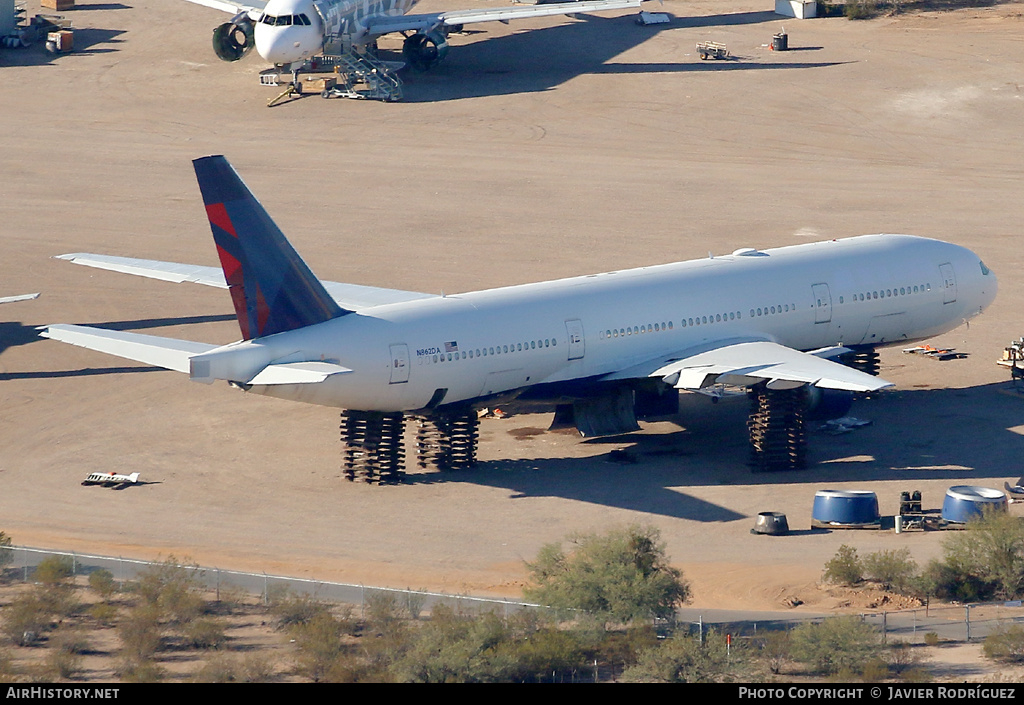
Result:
[[964, 436], [539, 59]]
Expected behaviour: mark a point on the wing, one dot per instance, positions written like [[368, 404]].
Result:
[[350, 296], [746, 363], [234, 8], [377, 26]]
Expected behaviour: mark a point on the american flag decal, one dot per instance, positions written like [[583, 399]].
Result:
[[451, 347]]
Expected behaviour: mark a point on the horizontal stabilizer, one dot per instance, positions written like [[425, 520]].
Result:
[[355, 297], [754, 362], [297, 373], [168, 353]]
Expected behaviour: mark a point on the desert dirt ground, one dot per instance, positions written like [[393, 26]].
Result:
[[581, 146]]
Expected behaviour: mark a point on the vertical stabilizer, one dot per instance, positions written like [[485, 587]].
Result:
[[272, 288]]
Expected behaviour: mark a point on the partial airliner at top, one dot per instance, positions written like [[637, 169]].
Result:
[[603, 350], [289, 33]]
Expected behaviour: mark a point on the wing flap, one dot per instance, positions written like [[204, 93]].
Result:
[[297, 373], [168, 353], [751, 362], [413, 23]]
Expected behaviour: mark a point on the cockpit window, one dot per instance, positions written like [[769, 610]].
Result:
[[302, 19], [984, 270], [282, 21]]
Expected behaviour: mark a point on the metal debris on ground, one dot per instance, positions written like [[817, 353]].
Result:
[[646, 18], [935, 353], [844, 424]]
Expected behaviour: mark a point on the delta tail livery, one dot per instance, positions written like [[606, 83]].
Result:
[[602, 350], [288, 33]]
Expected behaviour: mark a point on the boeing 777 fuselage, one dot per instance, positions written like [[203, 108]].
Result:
[[872, 290]]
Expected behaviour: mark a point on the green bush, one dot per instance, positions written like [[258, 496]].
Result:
[[320, 644], [1005, 644], [102, 582], [860, 9], [990, 551], [174, 589], [140, 633], [140, 671], [54, 570], [6, 552], [835, 645], [844, 568], [895, 570], [204, 633], [103, 613], [620, 576], [26, 618], [775, 650], [292, 610], [902, 657], [684, 659]]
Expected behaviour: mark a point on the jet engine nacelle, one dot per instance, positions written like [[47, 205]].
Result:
[[828, 404], [234, 39], [425, 50]]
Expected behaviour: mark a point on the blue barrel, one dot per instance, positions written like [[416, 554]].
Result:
[[966, 502], [852, 508]]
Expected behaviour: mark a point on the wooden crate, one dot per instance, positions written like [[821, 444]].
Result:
[[312, 84], [63, 40], [59, 5]]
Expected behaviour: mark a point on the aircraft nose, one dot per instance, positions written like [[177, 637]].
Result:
[[278, 45]]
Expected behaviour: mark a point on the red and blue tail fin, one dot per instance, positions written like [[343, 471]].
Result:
[[272, 288]]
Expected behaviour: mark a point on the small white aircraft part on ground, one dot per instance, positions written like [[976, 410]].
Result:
[[602, 350], [22, 297], [289, 33], [110, 479]]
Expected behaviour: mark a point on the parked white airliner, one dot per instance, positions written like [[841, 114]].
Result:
[[288, 33], [767, 319]]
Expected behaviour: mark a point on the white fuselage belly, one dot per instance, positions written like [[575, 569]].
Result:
[[630, 317]]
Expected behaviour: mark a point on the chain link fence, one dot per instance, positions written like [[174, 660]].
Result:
[[22, 561]]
